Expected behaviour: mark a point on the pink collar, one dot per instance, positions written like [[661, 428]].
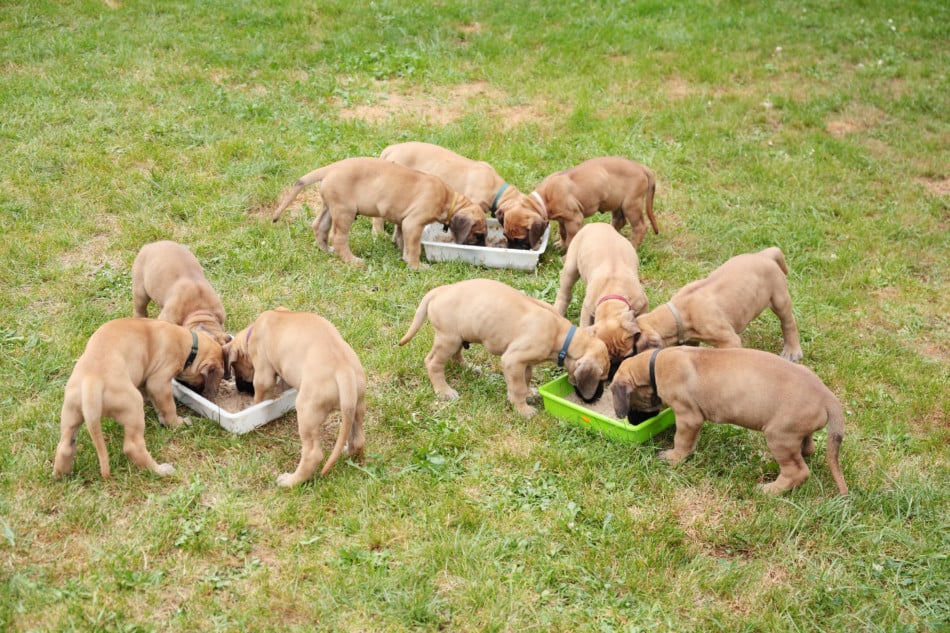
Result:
[[615, 298]]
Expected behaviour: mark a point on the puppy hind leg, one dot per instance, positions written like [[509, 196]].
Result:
[[357, 440], [132, 419], [310, 419], [341, 240], [781, 305], [808, 446], [793, 470], [444, 347], [70, 421]]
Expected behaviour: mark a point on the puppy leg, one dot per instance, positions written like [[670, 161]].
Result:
[[688, 425], [341, 239], [159, 390], [787, 450], [782, 307], [412, 243], [132, 420], [569, 276], [321, 228], [571, 227], [379, 226], [444, 347], [310, 417], [516, 372], [357, 440], [808, 446], [69, 422], [265, 380], [140, 301]]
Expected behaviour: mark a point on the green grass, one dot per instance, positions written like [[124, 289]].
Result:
[[823, 128]]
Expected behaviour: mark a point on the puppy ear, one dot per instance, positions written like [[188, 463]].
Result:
[[500, 216], [536, 232], [586, 380], [628, 321], [461, 226], [620, 390]]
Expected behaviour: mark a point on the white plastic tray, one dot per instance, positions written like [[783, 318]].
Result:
[[242, 421], [439, 250]]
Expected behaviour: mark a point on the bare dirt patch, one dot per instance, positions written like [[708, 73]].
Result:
[[936, 186], [441, 106], [854, 120]]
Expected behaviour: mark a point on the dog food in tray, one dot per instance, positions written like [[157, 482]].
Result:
[[561, 402], [249, 417], [439, 247]]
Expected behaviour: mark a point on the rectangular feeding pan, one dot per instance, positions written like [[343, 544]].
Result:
[[248, 416], [561, 402], [439, 247]]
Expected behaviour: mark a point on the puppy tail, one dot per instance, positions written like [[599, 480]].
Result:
[[835, 437], [92, 414], [651, 191], [346, 386], [776, 254], [421, 312], [315, 176]]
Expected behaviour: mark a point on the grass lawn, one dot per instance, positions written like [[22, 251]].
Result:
[[822, 128]]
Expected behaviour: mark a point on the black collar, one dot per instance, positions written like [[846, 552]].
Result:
[[194, 350], [656, 396]]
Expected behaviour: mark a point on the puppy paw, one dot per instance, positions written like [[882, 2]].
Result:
[[451, 394], [163, 470], [772, 489], [527, 410], [671, 457], [286, 480], [793, 355]]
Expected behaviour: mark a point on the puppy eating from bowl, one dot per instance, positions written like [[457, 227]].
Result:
[[745, 387]]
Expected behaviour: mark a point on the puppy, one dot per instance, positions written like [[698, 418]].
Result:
[[608, 183], [522, 330], [478, 181], [120, 357], [749, 388], [379, 188], [170, 275], [309, 354], [715, 310], [609, 266]]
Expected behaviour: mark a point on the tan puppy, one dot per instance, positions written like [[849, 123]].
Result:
[[609, 266], [309, 354], [170, 275], [480, 183], [120, 357], [609, 183], [379, 188], [716, 310], [522, 330], [749, 388]]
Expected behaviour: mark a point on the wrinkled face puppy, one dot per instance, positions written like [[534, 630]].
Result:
[[469, 226], [523, 228], [204, 374]]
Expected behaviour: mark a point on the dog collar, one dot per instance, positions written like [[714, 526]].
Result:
[[563, 353], [194, 350], [494, 203], [679, 322], [614, 297], [544, 209], [656, 396]]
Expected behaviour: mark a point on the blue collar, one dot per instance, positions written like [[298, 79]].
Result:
[[563, 353], [494, 203]]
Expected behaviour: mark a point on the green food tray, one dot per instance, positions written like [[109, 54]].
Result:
[[618, 430]]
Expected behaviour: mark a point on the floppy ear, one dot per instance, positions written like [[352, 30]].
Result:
[[620, 391], [500, 216], [461, 226], [587, 380], [212, 374], [536, 232]]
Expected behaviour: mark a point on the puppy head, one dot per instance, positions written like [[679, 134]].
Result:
[[205, 372], [469, 225], [619, 334], [631, 386], [588, 372], [522, 223], [238, 362], [206, 321], [647, 338]]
